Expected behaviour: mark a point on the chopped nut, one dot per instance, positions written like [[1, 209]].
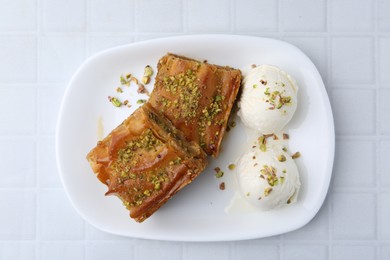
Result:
[[285, 136], [248, 194], [116, 102], [142, 89], [267, 191], [123, 81], [264, 82], [253, 66], [284, 149], [125, 102], [254, 85], [296, 155], [218, 172], [119, 90], [222, 186], [262, 143], [145, 79], [141, 101], [281, 158], [148, 71], [232, 166]]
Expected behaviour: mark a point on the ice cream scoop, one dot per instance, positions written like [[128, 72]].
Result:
[[268, 178], [268, 100]]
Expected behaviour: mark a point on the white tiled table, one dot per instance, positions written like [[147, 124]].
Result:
[[42, 42]]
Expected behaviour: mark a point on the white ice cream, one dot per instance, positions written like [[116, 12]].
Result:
[[268, 100], [265, 179]]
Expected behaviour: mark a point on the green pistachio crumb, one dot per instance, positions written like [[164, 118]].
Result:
[[116, 102], [232, 166], [296, 155]]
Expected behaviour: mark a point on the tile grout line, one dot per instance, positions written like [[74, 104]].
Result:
[[40, 8], [377, 126], [328, 79], [232, 14]]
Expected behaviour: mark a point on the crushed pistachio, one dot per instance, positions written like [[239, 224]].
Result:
[[267, 191], [232, 166], [270, 173], [119, 90], [148, 71], [281, 158], [124, 81], [145, 80], [284, 170], [281, 179], [141, 101], [254, 85], [264, 82], [222, 186], [248, 194], [262, 143], [284, 149], [186, 85], [285, 136], [218, 172], [116, 102], [296, 155]]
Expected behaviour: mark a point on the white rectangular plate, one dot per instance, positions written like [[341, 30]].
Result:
[[196, 213]]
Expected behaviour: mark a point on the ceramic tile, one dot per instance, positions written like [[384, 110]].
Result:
[[111, 16], [151, 19], [384, 61], [19, 119], [346, 172], [47, 166], [18, 15], [205, 252], [55, 210], [199, 17], [384, 163], [64, 15], [303, 252], [98, 251], [17, 251], [49, 101], [349, 114], [245, 251], [62, 251], [60, 57], [14, 174], [384, 212], [254, 16], [344, 18], [384, 118], [18, 59], [383, 15], [294, 18], [99, 43], [149, 252], [354, 252], [349, 220], [352, 60], [19, 221]]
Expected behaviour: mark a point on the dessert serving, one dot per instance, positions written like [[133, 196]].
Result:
[[268, 100], [145, 161], [267, 175], [197, 97], [162, 146]]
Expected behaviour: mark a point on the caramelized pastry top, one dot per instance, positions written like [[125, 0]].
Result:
[[196, 97]]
